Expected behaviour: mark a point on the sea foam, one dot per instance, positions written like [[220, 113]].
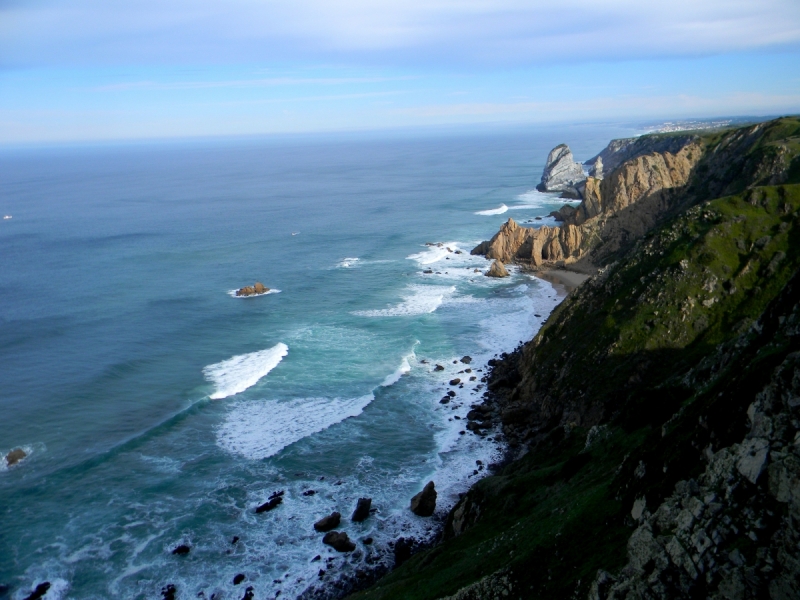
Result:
[[434, 253], [493, 211], [240, 372], [259, 430], [417, 300]]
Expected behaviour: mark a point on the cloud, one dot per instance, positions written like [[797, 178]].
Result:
[[488, 32]]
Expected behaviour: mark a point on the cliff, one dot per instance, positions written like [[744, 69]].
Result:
[[661, 174], [654, 420]]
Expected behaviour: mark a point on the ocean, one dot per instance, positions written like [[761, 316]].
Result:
[[158, 409]]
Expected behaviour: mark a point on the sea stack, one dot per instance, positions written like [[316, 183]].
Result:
[[562, 173], [498, 269], [424, 503]]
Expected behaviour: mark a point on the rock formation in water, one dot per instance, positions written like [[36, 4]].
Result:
[[424, 503], [614, 211], [561, 173], [16, 455], [498, 269], [254, 290]]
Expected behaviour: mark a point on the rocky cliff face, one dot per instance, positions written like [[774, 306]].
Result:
[[654, 421], [561, 173], [615, 210]]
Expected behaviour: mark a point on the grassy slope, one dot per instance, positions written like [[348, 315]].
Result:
[[651, 344]]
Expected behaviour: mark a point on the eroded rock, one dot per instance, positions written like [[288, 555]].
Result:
[[424, 503]]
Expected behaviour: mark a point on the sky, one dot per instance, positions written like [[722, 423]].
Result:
[[93, 70]]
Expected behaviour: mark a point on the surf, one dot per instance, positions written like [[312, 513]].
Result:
[[240, 372]]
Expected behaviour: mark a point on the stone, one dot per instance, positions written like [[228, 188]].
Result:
[[438, 368], [466, 360], [561, 172], [752, 457], [339, 541], [169, 591], [455, 381], [498, 269], [638, 508], [361, 512], [402, 550], [39, 591], [596, 169], [182, 549], [327, 523], [445, 400], [259, 288], [249, 593], [424, 503], [238, 578], [274, 500], [309, 492], [16, 455]]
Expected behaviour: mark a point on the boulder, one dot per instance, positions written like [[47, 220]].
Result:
[[455, 381], [273, 501], [466, 360], [402, 550], [339, 541], [438, 368], [16, 455], [497, 269], [237, 579], [424, 503], [327, 523], [259, 288], [168, 592], [561, 173], [249, 593], [362, 510], [39, 591], [182, 549]]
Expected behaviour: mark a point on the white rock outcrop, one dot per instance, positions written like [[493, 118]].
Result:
[[561, 173]]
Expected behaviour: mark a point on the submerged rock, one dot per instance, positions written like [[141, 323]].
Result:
[[424, 503], [327, 523], [498, 269], [182, 549], [362, 510], [16, 455], [339, 541]]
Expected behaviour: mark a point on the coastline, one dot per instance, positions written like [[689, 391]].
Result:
[[563, 280]]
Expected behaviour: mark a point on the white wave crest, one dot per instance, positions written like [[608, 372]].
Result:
[[346, 263], [434, 253], [401, 370], [418, 300], [493, 211], [259, 430], [240, 372]]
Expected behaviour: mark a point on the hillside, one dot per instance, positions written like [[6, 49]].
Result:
[[655, 418]]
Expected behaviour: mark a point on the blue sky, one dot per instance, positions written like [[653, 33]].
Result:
[[99, 70]]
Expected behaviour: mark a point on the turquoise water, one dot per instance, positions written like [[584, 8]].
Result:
[[158, 409]]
